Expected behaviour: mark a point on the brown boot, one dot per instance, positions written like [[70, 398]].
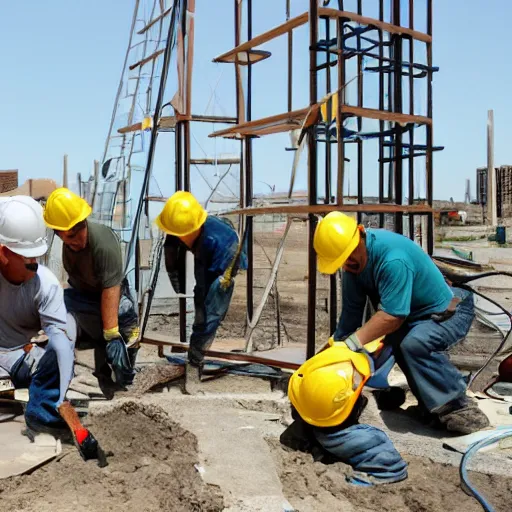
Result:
[[465, 420], [192, 379]]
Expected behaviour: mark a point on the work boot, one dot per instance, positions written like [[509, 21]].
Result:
[[192, 379], [466, 420]]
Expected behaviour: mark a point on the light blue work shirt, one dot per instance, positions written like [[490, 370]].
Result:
[[399, 278]]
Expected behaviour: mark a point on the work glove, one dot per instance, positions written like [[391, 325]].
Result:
[[119, 361], [353, 343]]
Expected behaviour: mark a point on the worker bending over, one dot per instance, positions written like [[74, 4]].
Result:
[[216, 250], [420, 314], [31, 300], [98, 295], [327, 400]]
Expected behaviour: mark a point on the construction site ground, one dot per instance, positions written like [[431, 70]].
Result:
[[220, 450]]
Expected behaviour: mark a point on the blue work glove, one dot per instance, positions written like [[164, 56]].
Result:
[[119, 361]]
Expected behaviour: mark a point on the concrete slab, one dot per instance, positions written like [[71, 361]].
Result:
[[19, 455]]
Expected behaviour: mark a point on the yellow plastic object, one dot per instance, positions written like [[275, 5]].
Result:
[[64, 209], [336, 237], [181, 215], [146, 124], [325, 388], [331, 103]]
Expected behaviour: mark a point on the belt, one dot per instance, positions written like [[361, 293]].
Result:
[[448, 312]]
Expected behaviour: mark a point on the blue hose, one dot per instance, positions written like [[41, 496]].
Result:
[[466, 484]]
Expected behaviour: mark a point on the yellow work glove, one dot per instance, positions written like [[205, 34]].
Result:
[[111, 334]]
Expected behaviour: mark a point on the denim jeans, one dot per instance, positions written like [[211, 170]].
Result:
[[367, 449], [420, 349], [43, 385], [86, 310], [208, 317]]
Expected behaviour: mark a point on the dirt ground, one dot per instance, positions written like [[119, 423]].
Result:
[[430, 487], [151, 469]]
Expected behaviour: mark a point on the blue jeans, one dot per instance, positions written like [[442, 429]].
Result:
[[420, 350], [41, 414], [367, 449], [208, 316], [86, 310]]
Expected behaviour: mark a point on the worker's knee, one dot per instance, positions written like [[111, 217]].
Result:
[[414, 345]]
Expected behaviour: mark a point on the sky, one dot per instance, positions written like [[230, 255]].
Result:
[[62, 61]]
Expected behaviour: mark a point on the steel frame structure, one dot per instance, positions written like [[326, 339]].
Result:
[[395, 120]]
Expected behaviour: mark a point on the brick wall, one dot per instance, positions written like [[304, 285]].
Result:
[[8, 180]]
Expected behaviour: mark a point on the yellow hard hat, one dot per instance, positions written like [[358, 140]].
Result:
[[64, 209], [336, 237], [181, 215], [325, 388]]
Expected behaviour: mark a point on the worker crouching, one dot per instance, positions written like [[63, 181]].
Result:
[[217, 254], [31, 300], [98, 295], [418, 312], [326, 394]]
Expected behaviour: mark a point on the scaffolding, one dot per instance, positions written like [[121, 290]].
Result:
[[345, 47]]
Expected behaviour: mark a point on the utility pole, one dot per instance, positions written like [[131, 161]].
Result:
[[492, 213], [65, 172]]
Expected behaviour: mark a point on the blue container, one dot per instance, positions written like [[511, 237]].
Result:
[[501, 234]]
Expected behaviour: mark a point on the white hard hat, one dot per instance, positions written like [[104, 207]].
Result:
[[22, 228]]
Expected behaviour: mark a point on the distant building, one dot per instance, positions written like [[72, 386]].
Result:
[[8, 180], [503, 189]]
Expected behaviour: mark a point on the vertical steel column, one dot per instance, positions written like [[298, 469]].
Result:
[[398, 160], [411, 111], [290, 59], [430, 137], [333, 299], [312, 180], [339, 114], [249, 178], [381, 107], [359, 119]]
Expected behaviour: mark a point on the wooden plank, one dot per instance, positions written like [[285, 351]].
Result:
[[292, 23], [381, 25], [214, 161], [167, 122], [147, 59], [292, 120], [162, 340], [243, 58], [157, 199], [383, 115], [154, 20], [213, 119], [281, 122], [291, 209]]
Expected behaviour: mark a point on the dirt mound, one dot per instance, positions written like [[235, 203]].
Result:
[[430, 487], [151, 469]]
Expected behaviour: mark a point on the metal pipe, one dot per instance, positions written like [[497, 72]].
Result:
[[249, 179], [359, 119], [290, 59], [381, 123], [398, 163], [430, 137], [312, 180], [339, 114], [411, 111]]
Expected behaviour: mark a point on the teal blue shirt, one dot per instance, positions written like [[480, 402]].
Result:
[[399, 278]]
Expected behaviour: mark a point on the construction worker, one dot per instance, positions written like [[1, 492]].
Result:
[[327, 400], [217, 255], [31, 300], [98, 295], [418, 312]]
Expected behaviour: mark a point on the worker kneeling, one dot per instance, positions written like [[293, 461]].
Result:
[[98, 295], [31, 299], [326, 392], [217, 255], [418, 312]]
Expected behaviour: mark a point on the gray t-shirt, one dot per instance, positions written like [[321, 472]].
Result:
[[27, 308]]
